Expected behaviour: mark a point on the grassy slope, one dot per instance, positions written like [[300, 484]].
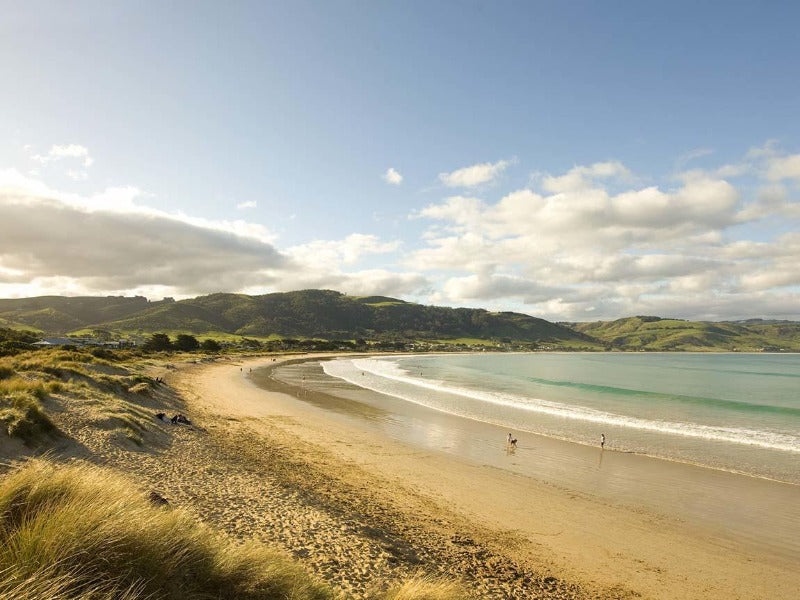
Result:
[[58, 314], [652, 333], [330, 315]]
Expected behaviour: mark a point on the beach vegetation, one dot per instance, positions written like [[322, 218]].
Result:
[[83, 532], [210, 345], [158, 342], [186, 343], [425, 588]]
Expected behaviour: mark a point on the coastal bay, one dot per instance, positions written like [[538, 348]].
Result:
[[604, 545]]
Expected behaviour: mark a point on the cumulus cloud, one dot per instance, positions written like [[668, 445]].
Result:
[[589, 243], [581, 177], [392, 176], [107, 249], [348, 250], [57, 243], [474, 175], [58, 152], [784, 167], [577, 250]]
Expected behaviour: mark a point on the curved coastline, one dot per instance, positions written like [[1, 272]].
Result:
[[596, 539], [270, 382]]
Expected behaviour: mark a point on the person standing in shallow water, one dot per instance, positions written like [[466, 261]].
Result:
[[602, 440]]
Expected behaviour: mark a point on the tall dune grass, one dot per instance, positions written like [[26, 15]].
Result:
[[425, 588], [21, 414], [80, 532], [83, 532]]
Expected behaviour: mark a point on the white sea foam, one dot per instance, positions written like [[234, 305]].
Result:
[[385, 374]]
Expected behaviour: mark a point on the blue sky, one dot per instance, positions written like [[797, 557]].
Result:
[[571, 160]]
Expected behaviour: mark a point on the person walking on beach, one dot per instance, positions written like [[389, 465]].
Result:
[[602, 440]]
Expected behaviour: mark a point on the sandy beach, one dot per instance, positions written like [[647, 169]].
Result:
[[359, 508]]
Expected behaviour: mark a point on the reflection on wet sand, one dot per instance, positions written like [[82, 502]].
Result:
[[265, 378]]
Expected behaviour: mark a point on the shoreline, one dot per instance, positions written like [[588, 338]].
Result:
[[717, 501], [290, 388], [791, 478], [731, 548]]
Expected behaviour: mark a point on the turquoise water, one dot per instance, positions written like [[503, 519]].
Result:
[[736, 412]]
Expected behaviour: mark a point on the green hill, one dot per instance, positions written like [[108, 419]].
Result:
[[328, 314], [657, 334], [308, 313], [59, 314]]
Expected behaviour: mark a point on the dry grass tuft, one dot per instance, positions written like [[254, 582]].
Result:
[[81, 532], [425, 588]]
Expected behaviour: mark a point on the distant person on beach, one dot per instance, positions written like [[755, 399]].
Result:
[[602, 440], [512, 441]]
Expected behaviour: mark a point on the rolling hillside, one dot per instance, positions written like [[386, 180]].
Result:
[[657, 334], [307, 313], [60, 314]]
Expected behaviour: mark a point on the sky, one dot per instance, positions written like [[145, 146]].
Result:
[[575, 161]]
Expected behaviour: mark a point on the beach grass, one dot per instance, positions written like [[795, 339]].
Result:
[[83, 532], [21, 412], [425, 589]]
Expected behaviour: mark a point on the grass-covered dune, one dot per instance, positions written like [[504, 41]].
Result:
[[81, 532]]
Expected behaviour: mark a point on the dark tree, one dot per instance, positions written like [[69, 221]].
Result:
[[210, 346], [187, 343], [157, 342]]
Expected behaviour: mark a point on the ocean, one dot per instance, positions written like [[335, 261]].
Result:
[[732, 412]]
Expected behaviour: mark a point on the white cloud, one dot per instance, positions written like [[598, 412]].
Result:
[[692, 155], [392, 176], [246, 205], [473, 175], [591, 242], [580, 248], [77, 175], [784, 167], [581, 177], [111, 243], [348, 250], [58, 152]]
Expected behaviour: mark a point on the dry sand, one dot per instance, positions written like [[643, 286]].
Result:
[[360, 510]]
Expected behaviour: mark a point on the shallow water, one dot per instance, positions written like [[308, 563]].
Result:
[[737, 412], [438, 403]]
